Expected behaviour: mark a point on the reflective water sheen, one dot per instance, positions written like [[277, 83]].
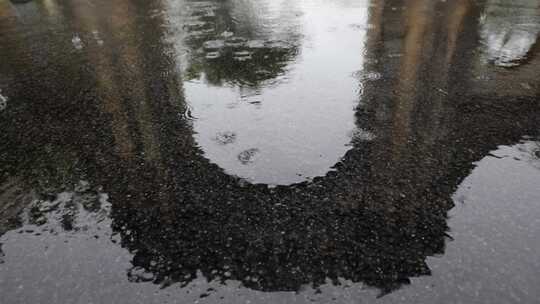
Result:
[[257, 151], [258, 79], [510, 31]]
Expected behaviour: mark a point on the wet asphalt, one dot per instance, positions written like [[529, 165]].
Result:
[[257, 151]]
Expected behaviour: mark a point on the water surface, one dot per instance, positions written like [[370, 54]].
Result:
[[269, 151], [272, 86]]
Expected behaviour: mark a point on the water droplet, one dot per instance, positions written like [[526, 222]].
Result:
[[226, 137], [246, 157], [77, 42]]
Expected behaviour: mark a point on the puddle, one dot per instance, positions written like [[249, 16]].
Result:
[[509, 32], [299, 77]]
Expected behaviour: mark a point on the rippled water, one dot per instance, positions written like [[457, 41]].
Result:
[[510, 31], [264, 151], [272, 85]]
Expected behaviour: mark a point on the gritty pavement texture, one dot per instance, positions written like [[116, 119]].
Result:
[[181, 151]]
